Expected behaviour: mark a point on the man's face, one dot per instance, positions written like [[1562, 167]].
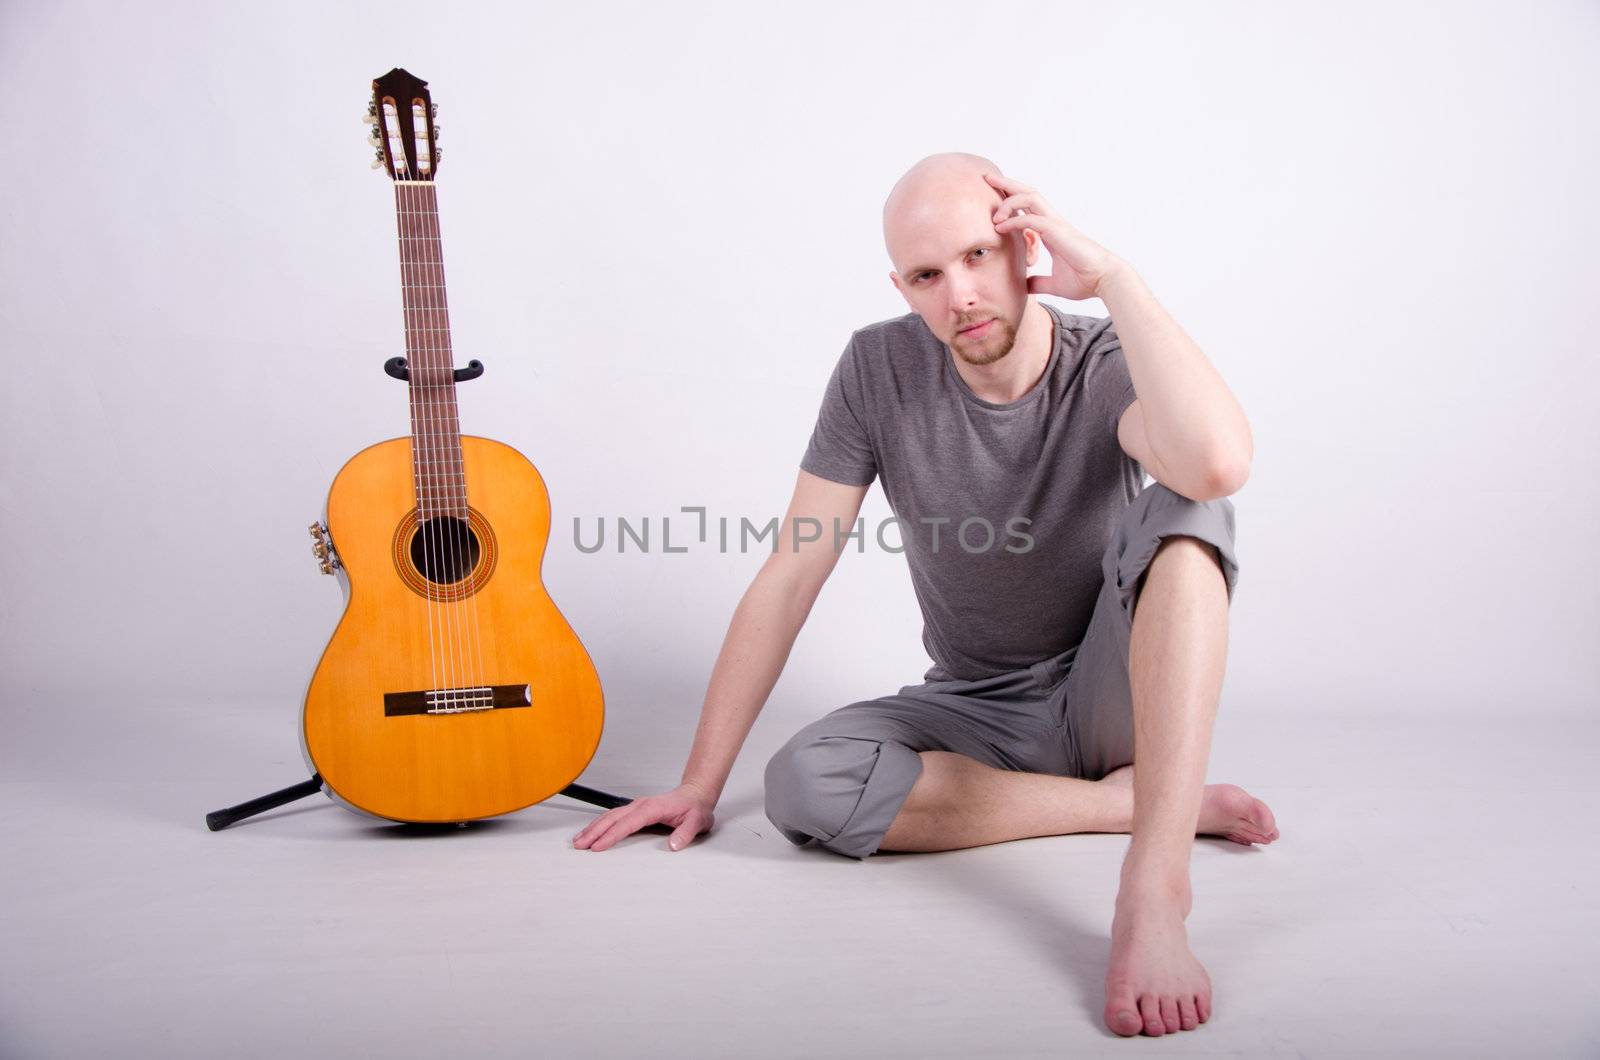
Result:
[[966, 281]]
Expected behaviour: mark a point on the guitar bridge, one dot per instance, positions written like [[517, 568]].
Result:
[[457, 700]]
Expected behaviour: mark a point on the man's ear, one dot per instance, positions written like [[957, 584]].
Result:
[[1031, 237]]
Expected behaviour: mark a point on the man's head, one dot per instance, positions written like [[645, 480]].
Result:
[[950, 265]]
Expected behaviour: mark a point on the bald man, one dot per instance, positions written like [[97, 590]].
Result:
[[1076, 619]]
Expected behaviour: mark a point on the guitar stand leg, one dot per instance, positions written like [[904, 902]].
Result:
[[217, 820], [593, 796]]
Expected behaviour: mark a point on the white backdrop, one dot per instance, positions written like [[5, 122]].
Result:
[[661, 224]]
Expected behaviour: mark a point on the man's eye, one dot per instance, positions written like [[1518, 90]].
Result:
[[981, 250], [920, 275]]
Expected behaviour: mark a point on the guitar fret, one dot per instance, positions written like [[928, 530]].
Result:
[[435, 429]]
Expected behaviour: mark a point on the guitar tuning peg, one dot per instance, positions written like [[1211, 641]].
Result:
[[433, 110], [370, 118], [377, 163]]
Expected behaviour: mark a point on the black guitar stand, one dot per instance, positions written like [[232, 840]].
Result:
[[397, 368], [217, 820]]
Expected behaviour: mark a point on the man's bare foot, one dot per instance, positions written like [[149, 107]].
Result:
[[1229, 810], [1153, 983], [1225, 810]]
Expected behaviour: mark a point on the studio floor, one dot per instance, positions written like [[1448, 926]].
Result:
[[1432, 895]]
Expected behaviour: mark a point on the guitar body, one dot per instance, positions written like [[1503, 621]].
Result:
[[452, 689]]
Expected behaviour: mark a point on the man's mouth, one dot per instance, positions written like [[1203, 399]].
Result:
[[975, 330]]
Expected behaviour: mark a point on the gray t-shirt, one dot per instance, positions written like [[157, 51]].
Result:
[[1004, 509]]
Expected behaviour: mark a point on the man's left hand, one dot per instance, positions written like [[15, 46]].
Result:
[[1078, 263]]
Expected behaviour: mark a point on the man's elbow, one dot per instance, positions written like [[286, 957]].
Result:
[[1215, 479], [1225, 476]]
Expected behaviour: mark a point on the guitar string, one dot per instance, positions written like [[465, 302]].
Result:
[[418, 427], [467, 607], [441, 525], [442, 474]]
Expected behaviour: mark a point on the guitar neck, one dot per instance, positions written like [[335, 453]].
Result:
[[435, 424]]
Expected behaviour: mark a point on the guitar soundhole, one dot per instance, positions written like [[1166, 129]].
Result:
[[445, 550]]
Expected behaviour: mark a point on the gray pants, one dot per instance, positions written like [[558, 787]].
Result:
[[839, 781]]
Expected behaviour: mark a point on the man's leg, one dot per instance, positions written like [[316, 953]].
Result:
[[957, 802], [1147, 677], [915, 772], [1176, 661], [839, 782]]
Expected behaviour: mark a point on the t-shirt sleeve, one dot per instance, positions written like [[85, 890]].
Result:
[[841, 448], [1110, 386]]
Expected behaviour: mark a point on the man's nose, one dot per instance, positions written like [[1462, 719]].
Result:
[[963, 294]]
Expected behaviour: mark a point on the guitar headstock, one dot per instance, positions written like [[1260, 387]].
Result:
[[401, 114]]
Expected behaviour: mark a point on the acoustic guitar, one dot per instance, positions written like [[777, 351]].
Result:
[[452, 688]]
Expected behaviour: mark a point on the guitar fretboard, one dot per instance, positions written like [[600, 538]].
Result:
[[435, 424]]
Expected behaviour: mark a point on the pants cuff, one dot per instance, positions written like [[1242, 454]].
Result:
[[885, 791]]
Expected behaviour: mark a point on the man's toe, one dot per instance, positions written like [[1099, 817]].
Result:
[[1150, 1006], [1122, 1012], [1186, 1014]]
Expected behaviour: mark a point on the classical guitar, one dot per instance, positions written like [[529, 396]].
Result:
[[452, 688]]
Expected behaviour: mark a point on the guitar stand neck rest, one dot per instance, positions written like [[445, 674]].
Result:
[[397, 368]]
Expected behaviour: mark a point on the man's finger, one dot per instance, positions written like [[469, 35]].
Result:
[[1034, 221], [624, 826], [590, 827], [685, 833], [1011, 204], [595, 827], [604, 837], [1006, 184], [600, 825]]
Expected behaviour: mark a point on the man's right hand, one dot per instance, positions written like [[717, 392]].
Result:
[[687, 809]]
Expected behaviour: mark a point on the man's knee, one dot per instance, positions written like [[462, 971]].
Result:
[[794, 798], [1160, 518], [817, 789]]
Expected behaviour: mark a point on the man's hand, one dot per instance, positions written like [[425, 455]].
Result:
[[685, 808], [1078, 263]]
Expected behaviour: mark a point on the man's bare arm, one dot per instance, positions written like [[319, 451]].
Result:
[[1186, 427], [758, 642], [1184, 414], [765, 625]]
